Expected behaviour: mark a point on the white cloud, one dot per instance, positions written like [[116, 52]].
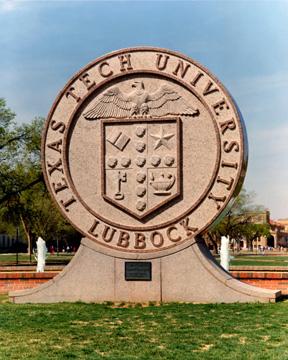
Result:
[[8, 5], [271, 140], [268, 167], [256, 85]]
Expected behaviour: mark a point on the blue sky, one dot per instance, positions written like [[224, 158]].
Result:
[[244, 43]]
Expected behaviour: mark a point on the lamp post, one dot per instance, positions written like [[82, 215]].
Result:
[[17, 245]]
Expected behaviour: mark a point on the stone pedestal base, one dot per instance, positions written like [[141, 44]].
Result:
[[190, 275]]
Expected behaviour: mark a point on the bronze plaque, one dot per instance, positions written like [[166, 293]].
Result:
[[138, 271]]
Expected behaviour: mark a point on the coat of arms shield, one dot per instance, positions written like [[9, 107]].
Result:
[[141, 163]]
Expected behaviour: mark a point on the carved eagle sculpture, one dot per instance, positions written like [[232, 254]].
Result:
[[115, 103]]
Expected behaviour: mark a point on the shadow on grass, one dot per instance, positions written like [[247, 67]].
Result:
[[4, 298]]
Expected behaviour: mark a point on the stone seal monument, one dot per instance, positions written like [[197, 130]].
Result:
[[142, 151]]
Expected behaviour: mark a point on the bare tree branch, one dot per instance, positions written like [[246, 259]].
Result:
[[15, 138], [7, 196]]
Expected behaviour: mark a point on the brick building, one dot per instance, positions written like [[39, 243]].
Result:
[[9, 243], [278, 232]]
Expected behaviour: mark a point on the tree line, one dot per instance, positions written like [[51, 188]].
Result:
[[240, 223], [24, 199], [26, 204]]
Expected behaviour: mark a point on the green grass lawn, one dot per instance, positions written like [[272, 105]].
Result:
[[25, 259], [64, 259], [258, 260], [172, 331], [252, 260]]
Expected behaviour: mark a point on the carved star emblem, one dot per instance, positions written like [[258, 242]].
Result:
[[161, 139]]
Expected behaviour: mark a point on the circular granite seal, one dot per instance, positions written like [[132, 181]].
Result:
[[143, 149]]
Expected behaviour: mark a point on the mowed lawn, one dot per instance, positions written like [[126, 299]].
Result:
[[23, 259], [64, 258], [169, 331], [260, 260], [257, 260]]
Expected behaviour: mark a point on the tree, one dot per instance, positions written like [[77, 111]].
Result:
[[254, 231], [19, 154], [7, 135], [24, 199], [36, 215], [240, 222]]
